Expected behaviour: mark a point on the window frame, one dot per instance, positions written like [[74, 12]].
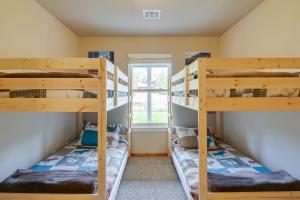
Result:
[[149, 66]]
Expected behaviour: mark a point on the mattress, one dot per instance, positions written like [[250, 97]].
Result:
[[74, 158], [247, 92], [253, 92], [224, 164], [43, 93], [47, 93]]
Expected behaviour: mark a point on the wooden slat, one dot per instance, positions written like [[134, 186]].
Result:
[[48, 83], [102, 131], [37, 196], [283, 82], [49, 63], [48, 105], [251, 63], [202, 126], [252, 104], [296, 194]]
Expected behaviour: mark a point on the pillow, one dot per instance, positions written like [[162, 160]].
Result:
[[90, 135], [113, 135], [188, 138], [211, 144], [91, 126], [209, 131], [114, 127], [89, 138]]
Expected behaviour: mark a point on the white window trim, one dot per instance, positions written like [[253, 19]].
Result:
[[149, 127]]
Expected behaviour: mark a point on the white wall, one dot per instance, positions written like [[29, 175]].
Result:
[[25, 138], [28, 30], [270, 30], [273, 138], [186, 117], [122, 46]]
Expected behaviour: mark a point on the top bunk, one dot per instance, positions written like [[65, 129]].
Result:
[[59, 85], [234, 84]]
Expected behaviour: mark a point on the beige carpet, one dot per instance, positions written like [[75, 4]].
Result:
[[150, 179]]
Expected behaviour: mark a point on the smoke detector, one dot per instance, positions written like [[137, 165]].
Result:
[[151, 14]]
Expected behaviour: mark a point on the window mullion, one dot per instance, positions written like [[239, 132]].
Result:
[[149, 114]]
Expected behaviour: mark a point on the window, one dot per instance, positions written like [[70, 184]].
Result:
[[150, 94]]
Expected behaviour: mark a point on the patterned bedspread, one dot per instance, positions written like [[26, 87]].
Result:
[[76, 158], [225, 160]]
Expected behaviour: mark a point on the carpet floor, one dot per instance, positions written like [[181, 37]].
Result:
[[150, 179]]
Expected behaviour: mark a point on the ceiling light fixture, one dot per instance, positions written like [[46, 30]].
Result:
[[151, 14]]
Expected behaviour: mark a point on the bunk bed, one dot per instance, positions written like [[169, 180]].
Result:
[[235, 84], [66, 85]]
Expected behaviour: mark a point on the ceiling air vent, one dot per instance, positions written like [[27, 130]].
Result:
[[151, 14]]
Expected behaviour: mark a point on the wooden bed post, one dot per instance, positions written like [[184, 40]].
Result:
[[102, 130], [218, 133], [202, 126]]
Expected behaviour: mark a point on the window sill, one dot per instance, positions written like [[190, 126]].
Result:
[[149, 129]]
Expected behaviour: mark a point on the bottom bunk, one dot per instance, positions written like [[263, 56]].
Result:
[[231, 175], [71, 170]]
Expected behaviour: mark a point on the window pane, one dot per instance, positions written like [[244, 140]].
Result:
[[139, 107], [139, 77], [159, 78], [159, 107]]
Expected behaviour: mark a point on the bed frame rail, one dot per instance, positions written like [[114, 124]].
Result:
[[250, 63], [49, 63]]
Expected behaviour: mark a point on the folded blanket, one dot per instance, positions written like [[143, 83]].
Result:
[[71, 182], [249, 182]]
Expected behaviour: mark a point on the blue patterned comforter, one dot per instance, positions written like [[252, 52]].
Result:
[[224, 160], [75, 158]]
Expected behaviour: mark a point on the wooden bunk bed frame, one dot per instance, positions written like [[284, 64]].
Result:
[[219, 104], [62, 105]]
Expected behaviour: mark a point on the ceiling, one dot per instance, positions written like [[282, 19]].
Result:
[[124, 17]]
